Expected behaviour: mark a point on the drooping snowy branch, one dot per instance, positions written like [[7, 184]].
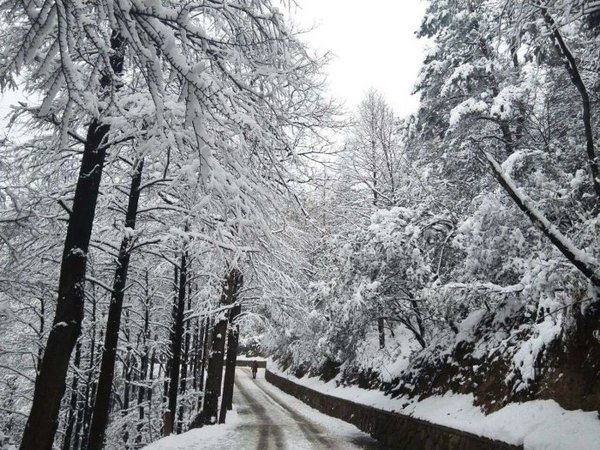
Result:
[[584, 262]]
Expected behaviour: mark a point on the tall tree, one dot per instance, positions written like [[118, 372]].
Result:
[[374, 150], [208, 64], [109, 352], [214, 374], [177, 340], [232, 346], [50, 382]]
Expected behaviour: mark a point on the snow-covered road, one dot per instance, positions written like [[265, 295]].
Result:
[[267, 418]]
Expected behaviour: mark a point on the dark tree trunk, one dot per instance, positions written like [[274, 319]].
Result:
[[381, 330], [73, 406], [167, 365], [203, 359], [230, 360], [214, 375], [128, 392], [586, 106], [41, 332], [176, 342], [50, 381], [126, 396], [85, 412], [113, 323], [228, 382], [520, 120], [232, 347], [419, 319], [141, 394], [79, 424], [205, 342], [149, 391], [144, 360], [196, 353], [185, 360]]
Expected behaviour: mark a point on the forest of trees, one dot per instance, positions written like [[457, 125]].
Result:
[[468, 232], [178, 171]]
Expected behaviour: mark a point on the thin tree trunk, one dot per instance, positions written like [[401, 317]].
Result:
[[520, 126], [149, 392], [171, 335], [113, 323], [232, 348], [214, 375], [50, 381], [41, 332], [72, 417], [196, 351], [127, 392], [381, 330], [185, 360], [141, 395], [84, 414], [177, 341], [126, 396], [419, 319], [230, 361], [129, 369], [203, 360], [145, 356], [577, 81]]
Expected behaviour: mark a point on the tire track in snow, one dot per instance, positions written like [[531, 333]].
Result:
[[268, 426], [284, 424], [310, 430]]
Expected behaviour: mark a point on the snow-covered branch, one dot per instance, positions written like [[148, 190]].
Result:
[[584, 262]]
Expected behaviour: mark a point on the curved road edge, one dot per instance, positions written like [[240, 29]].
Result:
[[391, 429]]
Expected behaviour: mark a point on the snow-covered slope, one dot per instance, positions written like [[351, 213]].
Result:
[[536, 424]]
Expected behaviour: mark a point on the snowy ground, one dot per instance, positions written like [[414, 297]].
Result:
[[266, 418], [537, 425]]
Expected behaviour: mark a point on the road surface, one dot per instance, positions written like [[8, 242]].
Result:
[[266, 418]]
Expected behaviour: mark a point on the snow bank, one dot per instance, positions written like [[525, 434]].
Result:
[[215, 436], [537, 425]]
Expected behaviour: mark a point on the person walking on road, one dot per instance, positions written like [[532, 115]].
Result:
[[254, 368]]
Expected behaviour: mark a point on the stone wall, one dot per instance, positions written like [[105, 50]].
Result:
[[394, 430]]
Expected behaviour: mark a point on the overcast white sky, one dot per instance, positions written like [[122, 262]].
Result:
[[374, 45]]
